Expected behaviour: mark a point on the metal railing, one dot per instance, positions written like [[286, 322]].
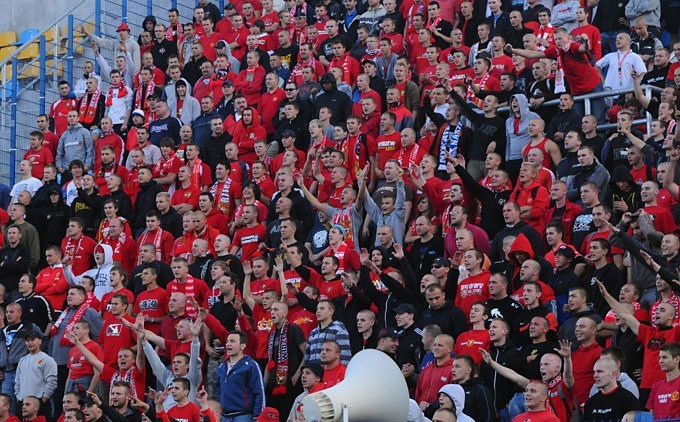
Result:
[[28, 87], [587, 98]]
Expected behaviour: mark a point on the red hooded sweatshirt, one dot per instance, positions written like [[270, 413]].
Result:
[[246, 136]]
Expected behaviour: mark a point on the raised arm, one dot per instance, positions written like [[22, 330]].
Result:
[[310, 197], [620, 310], [529, 54], [503, 371], [247, 293], [87, 354], [567, 371]]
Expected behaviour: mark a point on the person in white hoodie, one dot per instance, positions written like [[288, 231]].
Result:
[[452, 396], [101, 274]]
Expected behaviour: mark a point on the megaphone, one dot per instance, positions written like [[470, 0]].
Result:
[[374, 390]]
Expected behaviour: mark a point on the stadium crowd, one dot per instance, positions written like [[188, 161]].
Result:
[[211, 227]]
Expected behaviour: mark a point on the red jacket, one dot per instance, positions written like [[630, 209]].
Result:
[[246, 136], [350, 68], [112, 140], [269, 108], [537, 196], [432, 379], [52, 284], [249, 82], [571, 210]]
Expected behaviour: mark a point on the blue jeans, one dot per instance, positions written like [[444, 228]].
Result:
[[597, 107], [8, 388], [240, 418], [517, 405]]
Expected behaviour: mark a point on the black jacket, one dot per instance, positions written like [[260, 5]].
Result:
[[503, 387], [146, 201], [135, 280], [53, 223], [89, 208], [337, 101], [449, 318], [14, 262], [521, 227], [124, 203], [172, 222], [492, 202], [479, 401]]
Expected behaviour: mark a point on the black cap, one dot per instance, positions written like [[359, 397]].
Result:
[[288, 134], [389, 332], [229, 6], [154, 97], [300, 15], [368, 61], [441, 261], [227, 83], [33, 334], [566, 251], [405, 308], [86, 401], [316, 369]]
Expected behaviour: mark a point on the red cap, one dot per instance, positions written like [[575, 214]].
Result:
[[269, 414], [123, 27]]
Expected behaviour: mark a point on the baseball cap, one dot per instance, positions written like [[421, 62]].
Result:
[[316, 369], [288, 134], [227, 83], [123, 27], [389, 332], [566, 251], [138, 112], [86, 401], [405, 308], [441, 261], [269, 414], [229, 6], [221, 44], [340, 228], [33, 334], [369, 61]]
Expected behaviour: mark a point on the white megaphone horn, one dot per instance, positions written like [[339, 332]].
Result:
[[374, 390]]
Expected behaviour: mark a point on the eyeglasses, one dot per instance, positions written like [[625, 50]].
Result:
[[290, 89]]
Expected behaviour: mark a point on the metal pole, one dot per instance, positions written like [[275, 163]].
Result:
[[13, 127], [69, 52], [221, 6], [648, 94], [174, 4], [149, 7], [124, 11], [55, 56], [43, 73], [97, 26], [586, 104]]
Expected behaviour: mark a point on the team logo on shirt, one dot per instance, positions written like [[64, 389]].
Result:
[[114, 330], [675, 396]]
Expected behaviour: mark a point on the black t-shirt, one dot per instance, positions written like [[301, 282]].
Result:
[[610, 407], [506, 308], [295, 338], [583, 225], [288, 56]]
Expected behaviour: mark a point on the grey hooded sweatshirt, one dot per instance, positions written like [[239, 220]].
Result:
[[517, 139], [100, 274]]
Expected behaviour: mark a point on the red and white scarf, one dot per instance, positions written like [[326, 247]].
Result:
[[412, 158], [196, 172], [70, 251], [344, 218], [122, 92], [88, 109], [128, 377], [220, 191], [470, 96], [560, 85], [340, 254], [150, 88], [77, 316], [143, 239], [176, 34], [189, 291]]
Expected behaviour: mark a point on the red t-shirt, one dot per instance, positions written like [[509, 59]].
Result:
[[540, 416], [641, 175], [154, 304], [113, 336], [77, 363], [248, 239], [664, 399], [581, 75], [385, 146], [474, 288], [201, 290], [584, 359], [263, 325], [333, 376], [652, 339], [469, 342], [187, 413], [105, 302], [174, 347], [39, 159], [187, 195], [258, 287], [80, 251], [663, 219], [501, 65]]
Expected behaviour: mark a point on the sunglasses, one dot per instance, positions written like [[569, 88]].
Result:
[[290, 89]]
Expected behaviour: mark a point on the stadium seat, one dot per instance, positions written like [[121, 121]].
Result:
[[30, 52], [6, 52], [49, 34], [7, 38], [29, 72], [8, 75], [26, 35], [50, 68]]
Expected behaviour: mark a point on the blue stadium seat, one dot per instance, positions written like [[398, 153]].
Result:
[[26, 35]]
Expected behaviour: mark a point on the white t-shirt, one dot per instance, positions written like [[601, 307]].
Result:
[[620, 67], [31, 185]]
